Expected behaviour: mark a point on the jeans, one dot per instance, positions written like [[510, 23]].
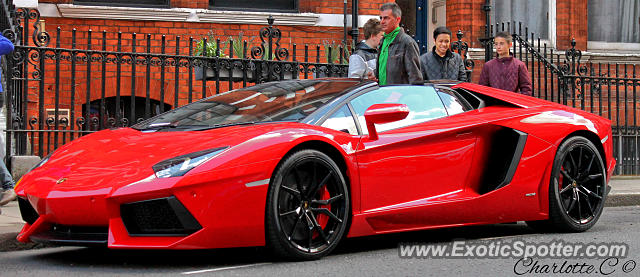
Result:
[[5, 177]]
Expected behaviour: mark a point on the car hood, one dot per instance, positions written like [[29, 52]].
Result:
[[109, 159]]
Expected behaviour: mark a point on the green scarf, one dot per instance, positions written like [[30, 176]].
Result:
[[384, 55]]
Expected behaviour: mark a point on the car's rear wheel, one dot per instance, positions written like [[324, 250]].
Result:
[[577, 189], [307, 206]]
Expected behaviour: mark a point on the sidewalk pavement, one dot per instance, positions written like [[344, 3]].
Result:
[[625, 191]]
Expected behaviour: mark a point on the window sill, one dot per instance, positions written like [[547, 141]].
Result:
[[176, 14], [244, 17], [601, 46]]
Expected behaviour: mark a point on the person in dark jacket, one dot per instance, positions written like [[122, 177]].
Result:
[[363, 60], [7, 192], [399, 57], [440, 62], [506, 72]]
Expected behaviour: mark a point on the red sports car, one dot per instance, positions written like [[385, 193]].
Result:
[[298, 165]]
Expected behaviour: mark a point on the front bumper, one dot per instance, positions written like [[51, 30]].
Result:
[[156, 217], [222, 214]]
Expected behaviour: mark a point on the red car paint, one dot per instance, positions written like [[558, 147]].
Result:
[[417, 177]]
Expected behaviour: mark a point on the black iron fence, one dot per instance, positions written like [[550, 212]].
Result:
[[607, 89]]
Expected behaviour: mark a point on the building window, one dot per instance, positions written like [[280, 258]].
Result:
[[532, 14], [614, 21], [255, 5], [125, 3]]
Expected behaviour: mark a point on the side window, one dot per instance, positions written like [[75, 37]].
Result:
[[451, 102], [423, 102], [342, 121]]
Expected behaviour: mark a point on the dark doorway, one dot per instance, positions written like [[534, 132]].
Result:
[[414, 21]]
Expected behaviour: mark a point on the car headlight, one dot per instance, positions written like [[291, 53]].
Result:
[[41, 162], [180, 165]]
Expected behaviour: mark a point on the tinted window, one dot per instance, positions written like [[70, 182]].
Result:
[[423, 102], [342, 121], [451, 102]]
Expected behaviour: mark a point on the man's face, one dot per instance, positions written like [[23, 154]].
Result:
[[502, 46], [388, 21], [442, 43]]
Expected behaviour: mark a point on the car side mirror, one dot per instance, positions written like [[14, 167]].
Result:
[[383, 113]]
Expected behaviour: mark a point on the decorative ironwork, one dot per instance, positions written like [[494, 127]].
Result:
[[463, 48], [267, 36]]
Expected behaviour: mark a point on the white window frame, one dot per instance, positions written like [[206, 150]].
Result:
[[552, 39], [602, 46]]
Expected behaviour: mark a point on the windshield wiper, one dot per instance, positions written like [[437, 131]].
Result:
[[156, 126], [167, 125], [215, 126]]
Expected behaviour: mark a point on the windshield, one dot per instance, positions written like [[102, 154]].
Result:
[[290, 100]]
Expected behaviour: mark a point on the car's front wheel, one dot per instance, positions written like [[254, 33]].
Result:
[[577, 189], [307, 210]]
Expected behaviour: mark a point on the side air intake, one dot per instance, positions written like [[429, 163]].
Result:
[[158, 217], [506, 150]]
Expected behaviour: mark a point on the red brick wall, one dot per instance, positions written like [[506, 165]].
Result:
[[468, 16], [571, 20], [370, 7], [365, 7], [194, 4]]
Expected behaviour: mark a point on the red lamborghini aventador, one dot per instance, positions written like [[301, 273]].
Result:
[[298, 165]]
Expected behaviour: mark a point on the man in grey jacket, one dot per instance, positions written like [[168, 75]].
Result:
[[440, 62], [399, 57]]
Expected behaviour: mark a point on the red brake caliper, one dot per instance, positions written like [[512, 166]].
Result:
[[322, 218]]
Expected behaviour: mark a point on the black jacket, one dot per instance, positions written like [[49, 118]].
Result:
[[403, 63], [449, 67]]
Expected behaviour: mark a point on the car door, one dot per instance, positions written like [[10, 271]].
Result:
[[423, 157]]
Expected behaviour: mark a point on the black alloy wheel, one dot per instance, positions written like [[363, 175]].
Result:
[[308, 206], [577, 190]]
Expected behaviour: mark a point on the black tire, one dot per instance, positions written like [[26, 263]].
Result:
[[577, 189], [308, 207]]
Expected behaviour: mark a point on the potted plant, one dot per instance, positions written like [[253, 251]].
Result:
[[332, 53], [236, 46], [209, 49]]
